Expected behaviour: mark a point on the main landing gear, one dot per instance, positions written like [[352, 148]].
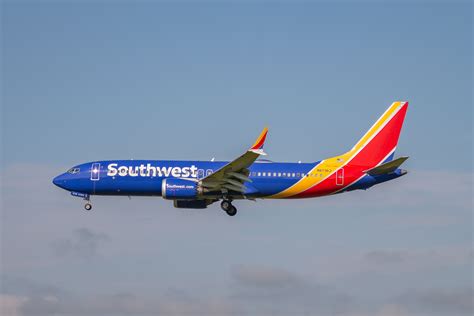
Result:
[[227, 206]]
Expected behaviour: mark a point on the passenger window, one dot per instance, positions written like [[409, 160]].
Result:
[[259, 174], [298, 175], [200, 174], [264, 174], [293, 174], [279, 174]]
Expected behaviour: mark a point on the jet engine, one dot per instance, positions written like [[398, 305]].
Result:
[[179, 189], [191, 203]]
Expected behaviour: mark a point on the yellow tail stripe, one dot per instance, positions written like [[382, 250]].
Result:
[[327, 167]]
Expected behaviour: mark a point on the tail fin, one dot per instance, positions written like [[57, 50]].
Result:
[[380, 141]]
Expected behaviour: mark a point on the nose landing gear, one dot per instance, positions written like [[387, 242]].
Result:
[[227, 206], [88, 205]]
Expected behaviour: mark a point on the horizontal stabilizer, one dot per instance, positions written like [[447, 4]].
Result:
[[387, 167]]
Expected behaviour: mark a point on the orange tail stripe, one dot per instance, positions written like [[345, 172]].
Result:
[[260, 140]]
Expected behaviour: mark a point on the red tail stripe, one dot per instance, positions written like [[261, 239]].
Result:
[[260, 142], [378, 148]]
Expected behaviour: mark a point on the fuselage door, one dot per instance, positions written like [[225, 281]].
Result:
[[95, 171], [340, 176]]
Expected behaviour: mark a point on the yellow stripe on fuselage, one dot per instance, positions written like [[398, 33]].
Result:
[[327, 167]]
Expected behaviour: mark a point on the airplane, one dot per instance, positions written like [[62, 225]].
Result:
[[197, 184]]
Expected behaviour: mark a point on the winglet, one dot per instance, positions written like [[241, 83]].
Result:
[[257, 147], [260, 140]]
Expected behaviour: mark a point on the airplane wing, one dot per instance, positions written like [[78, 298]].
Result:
[[232, 176]]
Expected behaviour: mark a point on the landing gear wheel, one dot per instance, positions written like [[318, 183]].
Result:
[[231, 211], [88, 206], [225, 205]]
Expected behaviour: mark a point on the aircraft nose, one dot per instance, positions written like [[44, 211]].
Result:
[[59, 181]]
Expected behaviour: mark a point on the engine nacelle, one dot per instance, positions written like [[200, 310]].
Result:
[[190, 203], [175, 189]]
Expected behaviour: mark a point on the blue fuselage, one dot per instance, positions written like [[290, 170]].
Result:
[[145, 177]]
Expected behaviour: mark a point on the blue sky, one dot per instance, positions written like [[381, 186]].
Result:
[[156, 80]]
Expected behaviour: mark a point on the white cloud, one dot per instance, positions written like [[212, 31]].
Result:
[[439, 189], [275, 291], [38, 215], [395, 264], [264, 276], [388, 309], [458, 301], [255, 290], [10, 305], [84, 243]]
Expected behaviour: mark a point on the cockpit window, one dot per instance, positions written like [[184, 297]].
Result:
[[73, 170]]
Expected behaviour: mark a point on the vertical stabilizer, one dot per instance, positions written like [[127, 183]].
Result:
[[380, 141]]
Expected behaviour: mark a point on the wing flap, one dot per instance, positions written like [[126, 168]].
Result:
[[239, 176], [235, 182], [234, 188]]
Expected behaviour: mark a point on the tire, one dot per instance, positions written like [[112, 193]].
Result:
[[232, 211], [226, 205], [88, 206]]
